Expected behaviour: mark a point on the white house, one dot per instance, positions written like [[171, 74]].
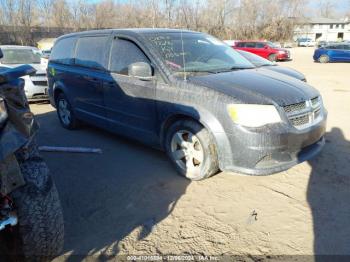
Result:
[[323, 29]]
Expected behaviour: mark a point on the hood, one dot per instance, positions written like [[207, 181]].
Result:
[[258, 86], [285, 70]]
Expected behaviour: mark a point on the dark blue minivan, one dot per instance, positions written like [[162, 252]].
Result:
[[188, 94], [333, 53]]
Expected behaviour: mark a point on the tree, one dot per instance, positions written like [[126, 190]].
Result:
[[327, 8]]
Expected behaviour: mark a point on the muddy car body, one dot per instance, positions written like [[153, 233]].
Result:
[[150, 85]]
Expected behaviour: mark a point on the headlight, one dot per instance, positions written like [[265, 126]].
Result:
[[282, 52], [253, 115], [3, 111]]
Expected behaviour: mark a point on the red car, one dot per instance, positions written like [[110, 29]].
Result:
[[264, 49]]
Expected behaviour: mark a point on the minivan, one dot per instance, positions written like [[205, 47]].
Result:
[[189, 94]]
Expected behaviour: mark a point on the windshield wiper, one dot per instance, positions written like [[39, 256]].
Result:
[[234, 68]]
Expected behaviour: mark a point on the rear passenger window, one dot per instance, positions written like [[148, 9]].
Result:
[[91, 51], [260, 45], [250, 45], [63, 51], [240, 44], [124, 53]]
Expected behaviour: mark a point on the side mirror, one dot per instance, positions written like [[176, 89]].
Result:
[[141, 70], [266, 47]]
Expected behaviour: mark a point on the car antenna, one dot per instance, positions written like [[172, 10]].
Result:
[[183, 56]]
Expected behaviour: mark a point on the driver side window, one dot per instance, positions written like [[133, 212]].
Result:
[[124, 53]]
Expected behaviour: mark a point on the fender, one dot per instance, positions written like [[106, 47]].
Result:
[[57, 87], [208, 120]]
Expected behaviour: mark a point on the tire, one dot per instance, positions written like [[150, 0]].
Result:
[[323, 59], [65, 113], [192, 150], [39, 234], [272, 57]]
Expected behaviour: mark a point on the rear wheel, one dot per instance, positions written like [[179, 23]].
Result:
[[65, 113], [192, 150], [272, 57], [323, 59]]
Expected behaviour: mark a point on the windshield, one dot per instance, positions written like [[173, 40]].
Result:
[[20, 56], [192, 52], [255, 59]]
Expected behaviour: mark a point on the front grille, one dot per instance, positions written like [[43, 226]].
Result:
[[300, 120], [40, 83], [40, 74], [304, 114], [295, 107]]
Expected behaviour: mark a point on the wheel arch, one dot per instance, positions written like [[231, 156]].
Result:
[[58, 88], [210, 122]]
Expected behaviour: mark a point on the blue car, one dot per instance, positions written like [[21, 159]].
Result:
[[333, 53]]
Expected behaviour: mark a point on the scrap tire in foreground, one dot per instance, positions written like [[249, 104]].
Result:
[[39, 234]]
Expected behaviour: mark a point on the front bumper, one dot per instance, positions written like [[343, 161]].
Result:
[[36, 87], [283, 56], [274, 148]]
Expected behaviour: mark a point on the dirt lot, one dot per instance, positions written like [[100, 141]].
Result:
[[129, 199]]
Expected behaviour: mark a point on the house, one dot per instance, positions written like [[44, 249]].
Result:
[[323, 29]]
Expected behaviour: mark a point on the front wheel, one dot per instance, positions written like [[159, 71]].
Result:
[[272, 57], [65, 113], [192, 150], [323, 59]]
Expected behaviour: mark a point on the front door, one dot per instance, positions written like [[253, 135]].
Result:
[[130, 102]]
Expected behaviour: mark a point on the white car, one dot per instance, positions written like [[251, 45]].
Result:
[[36, 85], [307, 42]]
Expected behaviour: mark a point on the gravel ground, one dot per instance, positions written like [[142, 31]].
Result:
[[129, 199]]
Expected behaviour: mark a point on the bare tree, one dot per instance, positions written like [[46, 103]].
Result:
[[327, 8], [45, 8], [61, 16]]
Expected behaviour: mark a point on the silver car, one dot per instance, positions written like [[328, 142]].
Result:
[[35, 85]]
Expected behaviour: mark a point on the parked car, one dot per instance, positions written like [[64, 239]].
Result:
[[264, 49], [189, 94], [306, 42], [258, 61], [45, 54], [333, 53], [36, 85]]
